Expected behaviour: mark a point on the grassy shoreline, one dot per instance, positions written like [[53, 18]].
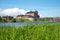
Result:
[[31, 32]]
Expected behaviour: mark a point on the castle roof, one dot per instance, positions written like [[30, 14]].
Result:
[[30, 12]]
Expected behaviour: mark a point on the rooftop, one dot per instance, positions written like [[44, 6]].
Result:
[[32, 12]]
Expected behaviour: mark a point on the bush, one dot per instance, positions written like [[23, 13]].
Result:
[[13, 20], [3, 20]]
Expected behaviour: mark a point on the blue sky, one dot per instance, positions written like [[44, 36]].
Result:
[[46, 8]]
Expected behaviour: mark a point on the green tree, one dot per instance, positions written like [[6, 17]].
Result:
[[3, 16], [13, 20], [0, 19], [3, 20]]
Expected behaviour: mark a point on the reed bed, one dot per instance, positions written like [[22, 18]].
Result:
[[31, 32]]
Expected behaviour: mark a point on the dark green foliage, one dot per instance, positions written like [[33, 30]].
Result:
[[3, 20], [13, 20], [31, 32], [0, 19]]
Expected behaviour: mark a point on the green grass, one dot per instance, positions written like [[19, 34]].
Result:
[[31, 32]]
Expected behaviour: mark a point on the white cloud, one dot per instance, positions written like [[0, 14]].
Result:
[[13, 12]]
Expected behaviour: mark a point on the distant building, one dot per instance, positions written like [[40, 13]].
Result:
[[56, 19], [9, 17], [32, 15]]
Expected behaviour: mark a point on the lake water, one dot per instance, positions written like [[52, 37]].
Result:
[[23, 23]]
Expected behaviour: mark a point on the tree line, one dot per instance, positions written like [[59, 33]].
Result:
[[46, 19]]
